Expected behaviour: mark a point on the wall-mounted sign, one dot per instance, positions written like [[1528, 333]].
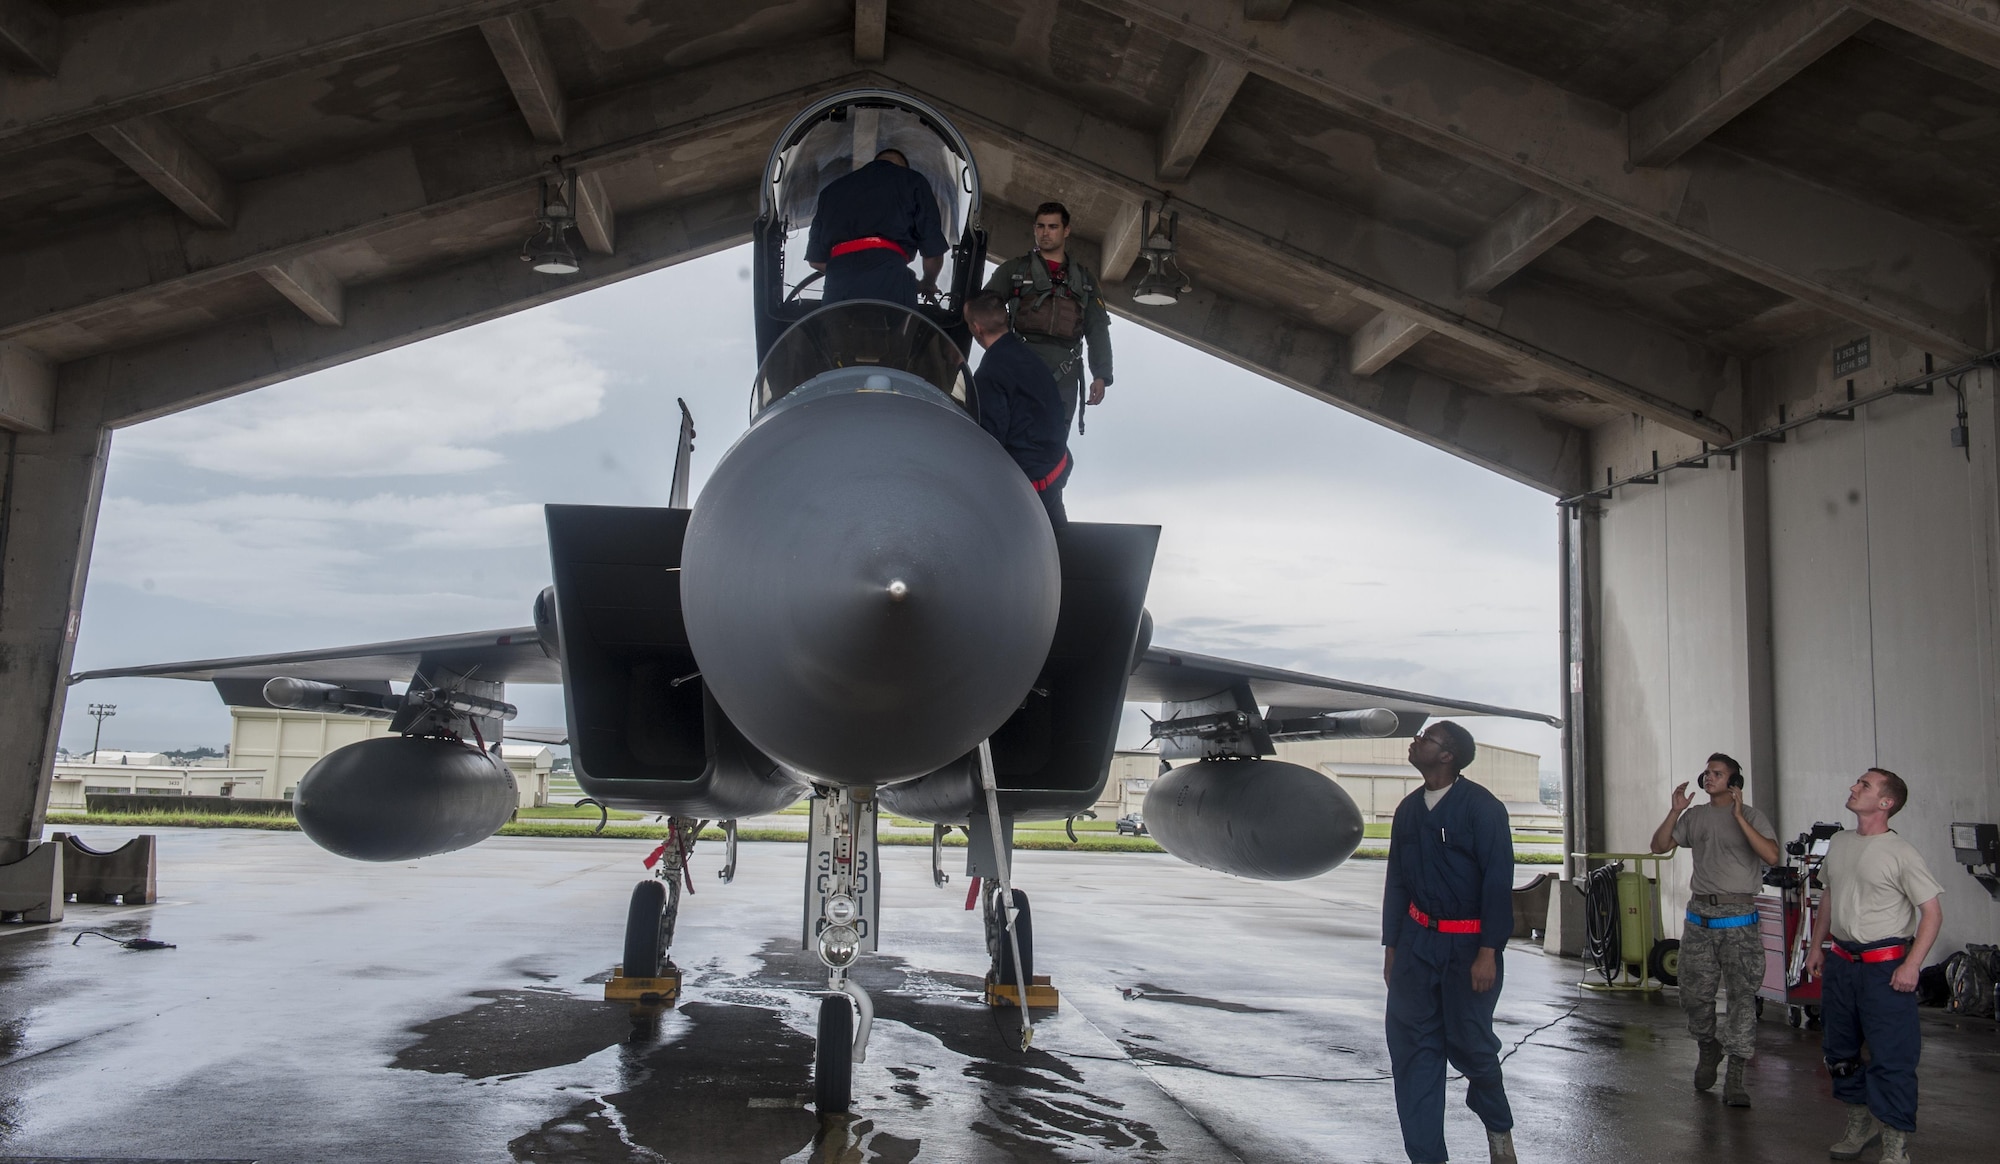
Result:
[[1850, 358]]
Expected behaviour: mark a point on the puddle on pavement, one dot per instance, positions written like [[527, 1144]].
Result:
[[729, 1077], [516, 1032]]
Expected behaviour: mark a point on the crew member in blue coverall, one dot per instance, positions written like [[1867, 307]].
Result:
[[866, 226], [1020, 404], [1447, 911]]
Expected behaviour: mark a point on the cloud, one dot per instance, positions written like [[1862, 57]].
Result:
[[446, 557], [1353, 589], [425, 409]]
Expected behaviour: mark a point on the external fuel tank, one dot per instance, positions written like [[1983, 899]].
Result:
[[1264, 819]]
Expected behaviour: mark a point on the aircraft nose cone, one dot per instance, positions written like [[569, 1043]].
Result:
[[870, 586]]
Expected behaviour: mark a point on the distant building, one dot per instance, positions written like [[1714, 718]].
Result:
[[72, 781], [1125, 790], [1376, 773], [269, 751]]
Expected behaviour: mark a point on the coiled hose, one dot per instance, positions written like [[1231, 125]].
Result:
[[1600, 911]]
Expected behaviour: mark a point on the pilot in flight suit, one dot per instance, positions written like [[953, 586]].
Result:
[[867, 225], [1058, 307]]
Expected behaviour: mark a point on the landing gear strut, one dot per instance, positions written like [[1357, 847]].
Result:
[[647, 975], [1009, 935], [840, 919]]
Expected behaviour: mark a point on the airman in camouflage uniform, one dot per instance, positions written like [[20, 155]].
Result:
[[1721, 950]]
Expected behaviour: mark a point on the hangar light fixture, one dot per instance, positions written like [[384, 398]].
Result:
[[548, 248], [1164, 283]]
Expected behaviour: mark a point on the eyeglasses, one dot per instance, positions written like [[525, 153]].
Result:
[[1431, 740]]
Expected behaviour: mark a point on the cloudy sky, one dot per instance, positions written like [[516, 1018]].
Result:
[[401, 495]]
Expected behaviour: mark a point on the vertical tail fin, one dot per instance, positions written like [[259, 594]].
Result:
[[683, 453]]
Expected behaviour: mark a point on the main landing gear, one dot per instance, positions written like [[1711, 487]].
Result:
[[842, 901], [1010, 933]]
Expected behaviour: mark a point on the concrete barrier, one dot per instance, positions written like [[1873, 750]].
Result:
[[1531, 906], [128, 873], [33, 885]]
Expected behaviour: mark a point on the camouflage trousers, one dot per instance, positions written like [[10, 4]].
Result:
[[1729, 962]]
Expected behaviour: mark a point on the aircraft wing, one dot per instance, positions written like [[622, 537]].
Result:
[[502, 656], [1166, 676]]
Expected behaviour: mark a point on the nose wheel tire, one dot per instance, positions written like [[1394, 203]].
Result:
[[645, 930], [833, 1057]]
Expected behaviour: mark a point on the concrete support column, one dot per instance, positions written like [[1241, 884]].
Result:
[[1982, 404], [1682, 662], [50, 484]]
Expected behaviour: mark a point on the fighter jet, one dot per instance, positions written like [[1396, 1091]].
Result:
[[865, 607]]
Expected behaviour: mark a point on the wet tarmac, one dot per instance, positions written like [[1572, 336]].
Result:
[[449, 1010]]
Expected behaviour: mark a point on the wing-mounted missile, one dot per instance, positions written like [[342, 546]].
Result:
[[836, 136], [1229, 725]]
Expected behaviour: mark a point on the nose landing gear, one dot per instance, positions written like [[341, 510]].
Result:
[[840, 921]]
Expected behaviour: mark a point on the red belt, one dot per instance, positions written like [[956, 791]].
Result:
[[1042, 485], [871, 243], [1441, 925], [1893, 953]]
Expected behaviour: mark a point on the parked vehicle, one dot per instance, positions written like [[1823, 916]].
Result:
[[1131, 825]]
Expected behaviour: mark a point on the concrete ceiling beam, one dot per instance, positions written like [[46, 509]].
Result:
[[1210, 87], [524, 60], [1386, 335], [1523, 234], [871, 30], [27, 390], [1515, 441], [153, 150], [310, 287], [596, 218], [1562, 339], [1968, 27], [121, 61], [1848, 257], [1747, 63], [235, 357], [30, 36], [77, 276], [1123, 240]]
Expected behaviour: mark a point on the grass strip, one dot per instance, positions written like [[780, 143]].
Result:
[[546, 828], [574, 812], [176, 820]]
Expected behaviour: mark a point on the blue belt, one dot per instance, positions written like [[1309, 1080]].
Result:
[[1721, 923]]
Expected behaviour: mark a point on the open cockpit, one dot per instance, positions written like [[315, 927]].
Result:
[[834, 138]]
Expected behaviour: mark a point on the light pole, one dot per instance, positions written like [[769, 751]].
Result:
[[101, 712]]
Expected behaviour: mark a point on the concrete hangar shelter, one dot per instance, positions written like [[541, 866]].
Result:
[[1570, 240]]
